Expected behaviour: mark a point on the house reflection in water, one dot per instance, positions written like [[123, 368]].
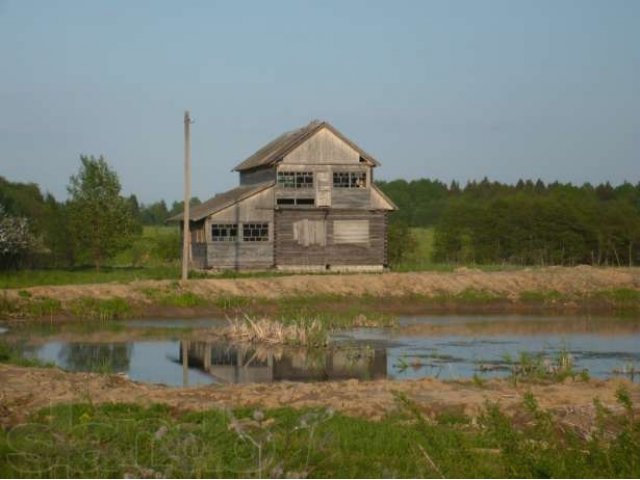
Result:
[[247, 364]]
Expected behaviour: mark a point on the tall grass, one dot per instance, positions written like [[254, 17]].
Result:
[[125, 440], [300, 332]]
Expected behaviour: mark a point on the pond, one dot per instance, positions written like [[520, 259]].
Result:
[[446, 347]]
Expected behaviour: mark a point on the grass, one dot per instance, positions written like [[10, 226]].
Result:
[[86, 275], [95, 309], [537, 367], [125, 440]]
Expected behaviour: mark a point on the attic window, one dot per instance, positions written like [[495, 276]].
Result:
[[295, 179], [350, 179], [224, 232], [255, 232]]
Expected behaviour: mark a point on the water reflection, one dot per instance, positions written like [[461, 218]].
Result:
[[247, 364], [446, 347], [91, 357]]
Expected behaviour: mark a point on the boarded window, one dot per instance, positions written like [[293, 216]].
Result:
[[310, 232], [351, 231], [295, 179], [255, 232], [224, 232]]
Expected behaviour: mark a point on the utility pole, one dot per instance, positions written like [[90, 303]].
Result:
[[186, 232]]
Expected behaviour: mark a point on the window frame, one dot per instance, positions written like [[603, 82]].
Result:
[[350, 179], [294, 179], [254, 232], [228, 237]]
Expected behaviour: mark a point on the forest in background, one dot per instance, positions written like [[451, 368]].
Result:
[[529, 223], [485, 222]]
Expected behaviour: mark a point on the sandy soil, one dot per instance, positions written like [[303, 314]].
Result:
[[575, 280], [24, 390]]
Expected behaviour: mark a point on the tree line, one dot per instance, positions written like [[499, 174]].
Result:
[[529, 223], [94, 224], [485, 222]]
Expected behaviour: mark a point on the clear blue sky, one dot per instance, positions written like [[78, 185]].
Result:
[[441, 89]]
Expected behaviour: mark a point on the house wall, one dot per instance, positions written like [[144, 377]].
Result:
[[290, 251], [240, 254], [323, 154], [323, 148]]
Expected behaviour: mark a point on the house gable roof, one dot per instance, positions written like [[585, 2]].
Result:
[[380, 200], [274, 151], [222, 201]]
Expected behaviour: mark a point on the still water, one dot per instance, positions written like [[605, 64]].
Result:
[[446, 347]]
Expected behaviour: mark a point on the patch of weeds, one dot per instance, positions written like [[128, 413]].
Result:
[[301, 332], [231, 302], [622, 299], [538, 367], [24, 294], [43, 306], [101, 309], [174, 297]]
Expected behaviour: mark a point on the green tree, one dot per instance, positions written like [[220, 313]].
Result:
[[402, 244], [101, 220]]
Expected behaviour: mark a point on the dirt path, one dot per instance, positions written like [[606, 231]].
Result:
[[25, 390], [509, 284]]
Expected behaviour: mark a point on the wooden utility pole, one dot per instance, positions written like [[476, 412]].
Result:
[[186, 232]]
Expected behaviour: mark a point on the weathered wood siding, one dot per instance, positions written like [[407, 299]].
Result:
[[323, 148], [199, 255], [240, 254], [289, 250], [357, 198], [259, 175]]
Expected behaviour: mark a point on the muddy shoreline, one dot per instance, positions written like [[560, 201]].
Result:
[[26, 390]]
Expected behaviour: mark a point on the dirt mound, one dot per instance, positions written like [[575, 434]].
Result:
[[510, 284], [24, 390]]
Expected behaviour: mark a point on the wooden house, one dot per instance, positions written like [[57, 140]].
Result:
[[306, 201]]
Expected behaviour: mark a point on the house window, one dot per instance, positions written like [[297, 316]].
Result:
[[350, 179], [224, 232], [295, 179], [255, 232], [295, 201]]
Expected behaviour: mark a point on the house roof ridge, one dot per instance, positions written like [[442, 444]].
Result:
[[276, 149]]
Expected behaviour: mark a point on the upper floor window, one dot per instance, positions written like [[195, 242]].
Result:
[[295, 179], [224, 232], [350, 179]]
